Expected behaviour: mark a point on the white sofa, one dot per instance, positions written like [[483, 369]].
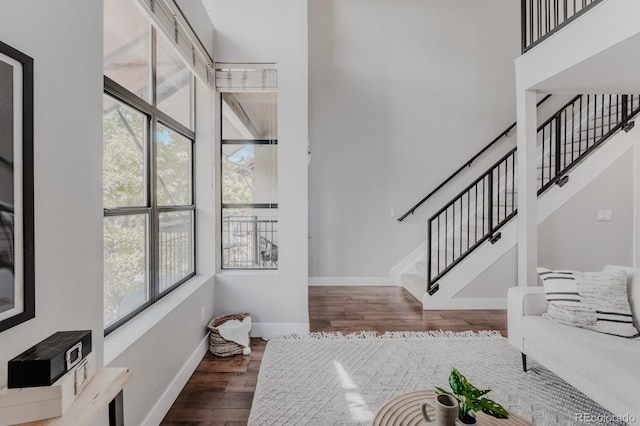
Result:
[[605, 368]]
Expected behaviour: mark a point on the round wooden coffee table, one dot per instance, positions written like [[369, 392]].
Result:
[[404, 410]]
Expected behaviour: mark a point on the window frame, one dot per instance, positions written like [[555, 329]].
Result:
[[152, 210], [224, 205]]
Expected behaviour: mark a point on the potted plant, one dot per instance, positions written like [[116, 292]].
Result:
[[471, 399]]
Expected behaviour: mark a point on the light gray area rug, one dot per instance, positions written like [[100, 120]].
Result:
[[330, 379]]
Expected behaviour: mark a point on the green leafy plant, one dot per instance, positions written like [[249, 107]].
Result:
[[471, 398]]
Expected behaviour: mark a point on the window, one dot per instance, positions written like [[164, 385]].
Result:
[[249, 178], [148, 171]]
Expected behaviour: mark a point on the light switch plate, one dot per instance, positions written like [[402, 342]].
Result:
[[605, 215]]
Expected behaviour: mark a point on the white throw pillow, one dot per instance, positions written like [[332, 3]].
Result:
[[633, 289], [594, 300]]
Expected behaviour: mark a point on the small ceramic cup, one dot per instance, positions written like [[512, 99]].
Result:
[[446, 411]]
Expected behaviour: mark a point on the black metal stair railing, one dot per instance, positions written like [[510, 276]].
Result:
[[577, 129], [487, 204], [542, 18], [470, 219]]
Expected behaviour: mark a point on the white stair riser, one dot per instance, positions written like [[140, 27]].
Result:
[[414, 284]]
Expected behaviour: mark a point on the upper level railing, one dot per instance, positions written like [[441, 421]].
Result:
[[249, 242], [481, 209], [467, 164], [542, 18]]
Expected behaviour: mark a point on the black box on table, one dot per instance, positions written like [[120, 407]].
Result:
[[47, 361]]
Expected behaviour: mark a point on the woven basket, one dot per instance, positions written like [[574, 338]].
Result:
[[217, 344]]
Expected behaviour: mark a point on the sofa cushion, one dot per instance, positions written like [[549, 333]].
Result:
[[560, 287], [606, 361], [595, 300], [633, 288]]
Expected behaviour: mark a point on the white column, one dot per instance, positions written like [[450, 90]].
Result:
[[636, 206], [527, 188]]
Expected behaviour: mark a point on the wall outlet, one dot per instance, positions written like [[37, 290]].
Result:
[[605, 215], [201, 313]]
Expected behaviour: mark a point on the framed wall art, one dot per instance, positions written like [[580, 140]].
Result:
[[17, 276]]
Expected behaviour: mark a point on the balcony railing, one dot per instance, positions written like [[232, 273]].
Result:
[[542, 18], [176, 257], [249, 243]]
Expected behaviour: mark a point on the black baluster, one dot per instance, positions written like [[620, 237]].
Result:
[[557, 123]]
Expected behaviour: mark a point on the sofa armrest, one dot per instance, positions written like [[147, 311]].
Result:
[[527, 301], [521, 302]]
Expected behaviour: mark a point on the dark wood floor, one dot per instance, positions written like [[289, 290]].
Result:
[[221, 389]]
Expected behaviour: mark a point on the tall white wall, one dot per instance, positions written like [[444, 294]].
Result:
[[273, 32], [68, 166], [400, 94]]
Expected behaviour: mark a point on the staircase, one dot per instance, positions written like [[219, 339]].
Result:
[[479, 213]]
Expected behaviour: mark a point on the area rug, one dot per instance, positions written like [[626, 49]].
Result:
[[330, 379]]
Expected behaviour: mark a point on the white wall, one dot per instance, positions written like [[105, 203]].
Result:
[[273, 32], [400, 94], [65, 40], [495, 280], [163, 358], [572, 238]]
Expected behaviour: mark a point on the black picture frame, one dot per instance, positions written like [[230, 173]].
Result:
[[16, 188]]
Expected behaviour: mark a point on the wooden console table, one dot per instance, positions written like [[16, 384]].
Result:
[[405, 410], [104, 388]]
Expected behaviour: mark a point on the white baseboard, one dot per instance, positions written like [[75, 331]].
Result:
[[476, 303], [161, 408], [265, 329], [351, 281]]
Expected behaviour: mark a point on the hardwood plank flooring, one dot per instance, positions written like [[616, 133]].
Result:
[[220, 391]]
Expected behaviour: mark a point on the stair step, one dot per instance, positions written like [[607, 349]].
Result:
[[421, 267], [472, 229], [457, 240], [415, 284], [578, 146], [587, 134], [505, 202]]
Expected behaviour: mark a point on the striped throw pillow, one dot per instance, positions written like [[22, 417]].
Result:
[[594, 300], [560, 287]]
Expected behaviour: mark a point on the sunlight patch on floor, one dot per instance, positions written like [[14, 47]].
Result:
[[358, 407]]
